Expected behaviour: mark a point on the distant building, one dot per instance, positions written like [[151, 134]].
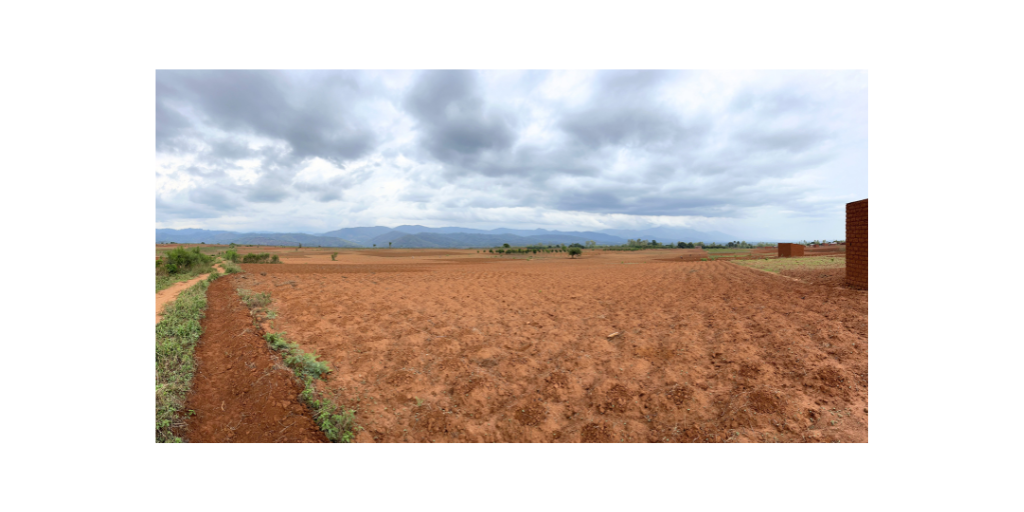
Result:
[[790, 250]]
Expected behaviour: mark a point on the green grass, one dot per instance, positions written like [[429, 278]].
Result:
[[176, 336], [337, 423], [230, 267], [806, 262]]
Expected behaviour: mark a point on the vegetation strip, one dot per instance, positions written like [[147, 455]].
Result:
[[337, 423], [176, 337]]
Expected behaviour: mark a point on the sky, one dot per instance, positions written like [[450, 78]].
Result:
[[763, 155]]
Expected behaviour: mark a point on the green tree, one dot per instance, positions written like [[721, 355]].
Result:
[[389, 245], [506, 246], [574, 251]]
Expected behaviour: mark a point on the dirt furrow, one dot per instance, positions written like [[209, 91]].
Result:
[[241, 392]]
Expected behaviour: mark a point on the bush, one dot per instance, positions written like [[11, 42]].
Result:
[[231, 256], [334, 255], [180, 260], [260, 257], [574, 251]]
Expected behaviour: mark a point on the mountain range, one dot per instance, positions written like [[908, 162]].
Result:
[[413, 236]]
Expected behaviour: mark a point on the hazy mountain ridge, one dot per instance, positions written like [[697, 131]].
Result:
[[413, 236], [196, 236]]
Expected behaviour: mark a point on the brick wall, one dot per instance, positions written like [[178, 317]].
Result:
[[790, 250], [857, 244]]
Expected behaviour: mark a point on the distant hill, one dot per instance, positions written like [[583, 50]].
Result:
[[671, 235], [413, 236], [196, 236], [358, 235], [453, 240]]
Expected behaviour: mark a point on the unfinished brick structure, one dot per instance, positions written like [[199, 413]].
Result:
[[790, 250], [857, 244]]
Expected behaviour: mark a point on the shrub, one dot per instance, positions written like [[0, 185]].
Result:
[[180, 259], [574, 251], [260, 257], [334, 255], [231, 256]]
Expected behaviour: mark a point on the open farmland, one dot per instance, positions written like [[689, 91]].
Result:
[[457, 346]]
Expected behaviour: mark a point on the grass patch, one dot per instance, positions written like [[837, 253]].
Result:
[[254, 300], [230, 267], [337, 423], [176, 337], [777, 265]]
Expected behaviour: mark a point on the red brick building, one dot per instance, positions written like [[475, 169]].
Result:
[[790, 250], [857, 244]]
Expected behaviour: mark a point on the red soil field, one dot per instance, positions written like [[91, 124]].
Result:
[[473, 348]]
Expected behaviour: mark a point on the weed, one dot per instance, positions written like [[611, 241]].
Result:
[[254, 300], [305, 364], [277, 342]]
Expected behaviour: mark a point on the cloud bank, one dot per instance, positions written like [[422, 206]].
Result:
[[761, 154]]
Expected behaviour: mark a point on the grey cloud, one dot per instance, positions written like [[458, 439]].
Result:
[[625, 110], [455, 125], [313, 113], [633, 146], [213, 198], [325, 191]]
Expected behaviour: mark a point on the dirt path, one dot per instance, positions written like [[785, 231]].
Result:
[[167, 295], [241, 393]]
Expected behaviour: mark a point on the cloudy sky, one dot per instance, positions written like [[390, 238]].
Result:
[[761, 155]]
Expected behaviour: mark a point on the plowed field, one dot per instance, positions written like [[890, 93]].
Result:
[[472, 348]]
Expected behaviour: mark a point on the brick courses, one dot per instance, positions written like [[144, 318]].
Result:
[[857, 244]]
